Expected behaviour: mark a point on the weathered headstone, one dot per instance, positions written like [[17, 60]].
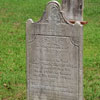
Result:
[[54, 57], [73, 9]]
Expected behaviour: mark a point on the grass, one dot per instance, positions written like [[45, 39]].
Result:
[[13, 16], [92, 50]]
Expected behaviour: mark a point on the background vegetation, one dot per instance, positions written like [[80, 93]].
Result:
[[13, 16]]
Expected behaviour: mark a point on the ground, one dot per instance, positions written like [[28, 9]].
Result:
[[13, 17]]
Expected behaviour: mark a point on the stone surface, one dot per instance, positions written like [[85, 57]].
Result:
[[73, 9], [54, 57]]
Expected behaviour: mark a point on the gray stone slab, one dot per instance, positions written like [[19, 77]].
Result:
[[54, 57], [73, 9]]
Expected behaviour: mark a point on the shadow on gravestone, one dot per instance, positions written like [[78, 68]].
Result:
[[54, 57]]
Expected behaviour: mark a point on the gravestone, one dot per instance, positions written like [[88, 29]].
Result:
[[73, 9], [54, 57]]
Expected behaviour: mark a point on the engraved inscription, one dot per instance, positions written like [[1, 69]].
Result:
[[54, 66]]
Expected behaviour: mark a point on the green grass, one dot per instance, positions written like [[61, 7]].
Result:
[[13, 16], [92, 50]]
